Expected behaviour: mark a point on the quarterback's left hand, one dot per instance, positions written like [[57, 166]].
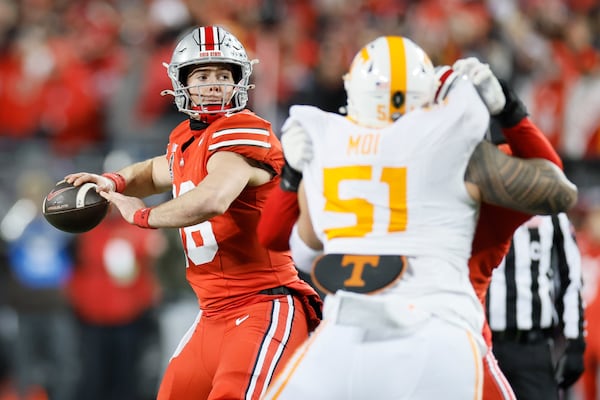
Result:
[[570, 365], [103, 183], [485, 82]]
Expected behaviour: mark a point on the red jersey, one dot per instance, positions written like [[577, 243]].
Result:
[[226, 264], [590, 268]]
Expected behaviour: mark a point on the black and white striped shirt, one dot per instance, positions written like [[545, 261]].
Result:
[[538, 284]]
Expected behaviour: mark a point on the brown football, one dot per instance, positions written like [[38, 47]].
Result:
[[74, 209]]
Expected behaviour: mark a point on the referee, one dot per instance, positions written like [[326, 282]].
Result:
[[533, 304]]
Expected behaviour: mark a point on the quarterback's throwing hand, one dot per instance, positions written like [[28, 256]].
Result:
[[485, 82], [127, 205]]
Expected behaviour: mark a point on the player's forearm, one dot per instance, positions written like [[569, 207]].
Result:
[[142, 180], [534, 186], [526, 140], [186, 210], [210, 198]]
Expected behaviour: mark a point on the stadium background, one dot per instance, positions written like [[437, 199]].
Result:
[[80, 81]]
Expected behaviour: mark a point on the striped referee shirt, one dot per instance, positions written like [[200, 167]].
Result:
[[538, 284]]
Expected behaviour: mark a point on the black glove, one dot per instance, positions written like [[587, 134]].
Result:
[[290, 178], [570, 365], [514, 110]]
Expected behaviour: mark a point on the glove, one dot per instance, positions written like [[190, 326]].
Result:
[[290, 178], [570, 365], [485, 82], [446, 77], [514, 110], [296, 144]]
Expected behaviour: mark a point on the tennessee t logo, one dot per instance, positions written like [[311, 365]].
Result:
[[359, 263]]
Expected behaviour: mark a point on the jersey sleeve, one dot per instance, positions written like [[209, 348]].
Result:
[[248, 135], [527, 141], [467, 109], [277, 219]]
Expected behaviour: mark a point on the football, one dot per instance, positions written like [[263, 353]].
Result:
[[74, 209]]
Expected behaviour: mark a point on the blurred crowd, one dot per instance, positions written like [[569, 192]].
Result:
[[80, 78], [80, 84]]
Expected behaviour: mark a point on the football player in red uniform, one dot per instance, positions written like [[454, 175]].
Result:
[[496, 225], [221, 163]]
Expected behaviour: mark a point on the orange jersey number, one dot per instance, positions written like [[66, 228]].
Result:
[[395, 178]]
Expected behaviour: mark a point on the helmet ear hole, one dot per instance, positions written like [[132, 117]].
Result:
[[184, 72], [236, 71], [398, 99], [388, 77]]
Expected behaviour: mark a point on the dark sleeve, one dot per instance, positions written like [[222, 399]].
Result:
[[527, 141]]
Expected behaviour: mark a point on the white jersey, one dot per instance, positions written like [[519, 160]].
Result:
[[400, 190], [394, 191]]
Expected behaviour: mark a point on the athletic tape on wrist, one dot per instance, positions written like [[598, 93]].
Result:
[[118, 180], [141, 217]]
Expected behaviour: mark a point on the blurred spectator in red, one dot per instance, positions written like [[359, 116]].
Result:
[[581, 138], [46, 92], [71, 113], [114, 293], [165, 22], [58, 71], [67, 59], [91, 65], [137, 113], [559, 66], [24, 68], [588, 240]]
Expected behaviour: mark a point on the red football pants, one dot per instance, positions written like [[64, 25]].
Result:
[[495, 385], [234, 354], [588, 383]]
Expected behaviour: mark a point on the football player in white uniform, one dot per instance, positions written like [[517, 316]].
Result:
[[391, 195]]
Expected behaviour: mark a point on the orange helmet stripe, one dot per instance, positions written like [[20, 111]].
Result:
[[397, 73]]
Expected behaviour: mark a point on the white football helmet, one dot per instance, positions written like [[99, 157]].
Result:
[[205, 45], [388, 77]]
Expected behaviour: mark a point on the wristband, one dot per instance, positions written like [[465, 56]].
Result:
[[141, 217], [118, 180]]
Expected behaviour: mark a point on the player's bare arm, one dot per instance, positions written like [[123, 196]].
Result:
[[228, 174], [532, 186], [142, 179], [147, 177], [305, 227]]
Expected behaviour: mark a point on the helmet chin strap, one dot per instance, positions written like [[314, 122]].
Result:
[[209, 118]]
